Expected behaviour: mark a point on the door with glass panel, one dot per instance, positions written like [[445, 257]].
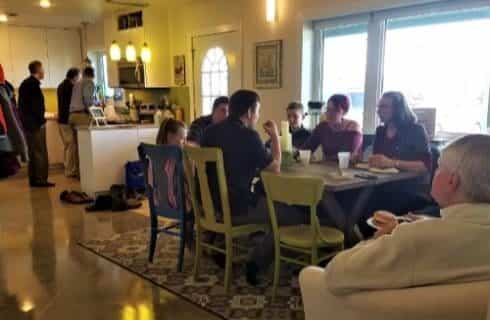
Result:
[[217, 68]]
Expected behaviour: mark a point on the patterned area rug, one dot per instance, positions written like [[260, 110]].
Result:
[[130, 251]]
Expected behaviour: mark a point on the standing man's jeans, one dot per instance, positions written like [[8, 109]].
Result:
[[70, 150], [77, 119], [38, 156]]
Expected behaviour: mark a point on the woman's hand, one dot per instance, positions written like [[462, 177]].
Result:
[[386, 223], [381, 162]]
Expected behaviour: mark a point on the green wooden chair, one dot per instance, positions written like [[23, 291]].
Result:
[[305, 240], [196, 159]]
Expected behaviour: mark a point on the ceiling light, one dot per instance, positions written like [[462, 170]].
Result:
[[4, 18], [271, 8], [115, 51], [145, 53], [45, 4], [130, 52]]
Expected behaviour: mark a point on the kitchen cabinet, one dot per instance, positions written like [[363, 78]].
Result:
[[26, 44], [57, 49], [104, 151], [64, 52]]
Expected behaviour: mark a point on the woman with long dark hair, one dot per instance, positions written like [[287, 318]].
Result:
[[172, 132], [400, 142]]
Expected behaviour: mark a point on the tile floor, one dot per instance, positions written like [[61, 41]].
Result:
[[45, 275]]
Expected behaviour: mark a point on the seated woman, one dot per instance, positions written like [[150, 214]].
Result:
[[172, 132], [403, 144], [336, 134]]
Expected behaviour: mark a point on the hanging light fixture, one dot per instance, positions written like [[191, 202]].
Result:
[[45, 4], [4, 18], [271, 9], [130, 52], [145, 53], [115, 51]]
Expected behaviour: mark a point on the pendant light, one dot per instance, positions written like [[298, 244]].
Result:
[[4, 18], [45, 4], [130, 52], [115, 51], [145, 53]]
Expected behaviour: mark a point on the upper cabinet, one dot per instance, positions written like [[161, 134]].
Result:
[[57, 49], [155, 33], [26, 44], [64, 52]]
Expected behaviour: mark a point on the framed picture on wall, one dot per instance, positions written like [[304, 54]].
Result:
[[268, 65], [179, 70]]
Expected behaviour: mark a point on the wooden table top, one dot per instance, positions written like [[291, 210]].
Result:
[[334, 182]]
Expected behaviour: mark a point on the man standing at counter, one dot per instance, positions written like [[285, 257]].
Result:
[[219, 114], [83, 97], [64, 92], [32, 108]]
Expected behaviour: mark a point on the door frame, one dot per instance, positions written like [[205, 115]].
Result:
[[215, 30]]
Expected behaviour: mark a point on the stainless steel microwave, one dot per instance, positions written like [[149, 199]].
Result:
[[132, 74]]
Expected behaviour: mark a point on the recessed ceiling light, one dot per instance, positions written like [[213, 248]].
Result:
[[4, 18], [45, 4]]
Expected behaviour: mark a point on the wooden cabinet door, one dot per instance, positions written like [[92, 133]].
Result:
[[27, 44], [64, 52]]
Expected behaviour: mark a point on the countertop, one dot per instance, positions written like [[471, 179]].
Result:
[[118, 127]]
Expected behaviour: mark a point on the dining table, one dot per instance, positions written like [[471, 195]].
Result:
[[354, 178]]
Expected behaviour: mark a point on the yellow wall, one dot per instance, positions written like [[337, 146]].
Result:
[[51, 100], [197, 16]]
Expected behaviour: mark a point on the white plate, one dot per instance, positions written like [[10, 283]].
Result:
[[401, 219]]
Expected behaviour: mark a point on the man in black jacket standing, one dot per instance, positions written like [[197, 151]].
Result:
[[32, 108]]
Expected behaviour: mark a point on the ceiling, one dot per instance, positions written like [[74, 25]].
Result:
[[64, 13]]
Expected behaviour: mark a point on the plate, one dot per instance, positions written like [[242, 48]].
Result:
[[401, 219], [384, 171]]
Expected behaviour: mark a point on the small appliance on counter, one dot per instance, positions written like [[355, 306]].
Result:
[[146, 113], [315, 110]]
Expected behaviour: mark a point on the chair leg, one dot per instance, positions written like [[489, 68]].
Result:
[[229, 261], [183, 230], [153, 243], [277, 271], [198, 252]]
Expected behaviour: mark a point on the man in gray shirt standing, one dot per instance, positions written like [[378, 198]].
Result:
[[83, 97]]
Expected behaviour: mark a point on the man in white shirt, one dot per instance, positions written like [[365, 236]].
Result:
[[449, 250], [83, 97]]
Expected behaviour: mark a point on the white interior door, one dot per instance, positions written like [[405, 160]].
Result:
[[217, 67]]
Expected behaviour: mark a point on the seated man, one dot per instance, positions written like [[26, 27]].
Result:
[[447, 250], [219, 114], [296, 115], [244, 156]]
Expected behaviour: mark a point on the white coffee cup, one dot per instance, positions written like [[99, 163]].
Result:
[[344, 159], [304, 156]]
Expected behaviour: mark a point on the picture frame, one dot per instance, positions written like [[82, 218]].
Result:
[[268, 65], [179, 70]]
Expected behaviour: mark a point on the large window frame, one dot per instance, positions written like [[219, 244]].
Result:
[[377, 27]]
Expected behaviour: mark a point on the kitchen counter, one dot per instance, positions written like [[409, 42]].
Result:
[[119, 126], [104, 152]]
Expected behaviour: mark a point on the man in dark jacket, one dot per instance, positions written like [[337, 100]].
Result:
[[32, 108], [220, 113], [64, 93]]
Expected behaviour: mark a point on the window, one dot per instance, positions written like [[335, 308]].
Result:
[[436, 54], [344, 66], [442, 62], [214, 78]]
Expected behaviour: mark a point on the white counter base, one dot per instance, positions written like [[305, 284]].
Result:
[[104, 153]]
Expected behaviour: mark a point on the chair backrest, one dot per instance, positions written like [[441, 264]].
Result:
[[164, 179], [200, 159], [300, 191]]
